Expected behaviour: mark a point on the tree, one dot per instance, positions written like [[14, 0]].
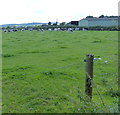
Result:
[[54, 24], [62, 24], [102, 16], [8, 27], [49, 23], [89, 17]]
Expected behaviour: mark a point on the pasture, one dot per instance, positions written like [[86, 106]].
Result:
[[44, 72]]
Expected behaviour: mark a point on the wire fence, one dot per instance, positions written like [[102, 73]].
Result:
[[63, 67], [49, 69], [100, 96]]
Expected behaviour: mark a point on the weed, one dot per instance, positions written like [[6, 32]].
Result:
[[7, 55], [97, 41]]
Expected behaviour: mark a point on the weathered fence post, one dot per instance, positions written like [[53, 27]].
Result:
[[89, 75]]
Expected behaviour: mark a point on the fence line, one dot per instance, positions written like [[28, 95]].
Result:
[[69, 66], [94, 84], [89, 83], [56, 68]]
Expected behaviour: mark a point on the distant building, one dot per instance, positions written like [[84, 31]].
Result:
[[105, 21], [74, 23]]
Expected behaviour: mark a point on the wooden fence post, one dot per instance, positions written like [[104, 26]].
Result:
[[89, 75]]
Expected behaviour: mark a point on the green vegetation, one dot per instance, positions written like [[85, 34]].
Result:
[[44, 72]]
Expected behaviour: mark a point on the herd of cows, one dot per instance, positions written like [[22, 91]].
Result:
[[71, 29], [41, 29]]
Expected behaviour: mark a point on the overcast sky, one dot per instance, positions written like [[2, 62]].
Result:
[[25, 11]]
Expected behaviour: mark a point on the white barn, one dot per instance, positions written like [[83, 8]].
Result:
[[90, 22]]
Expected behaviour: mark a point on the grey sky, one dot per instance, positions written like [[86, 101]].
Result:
[[25, 11]]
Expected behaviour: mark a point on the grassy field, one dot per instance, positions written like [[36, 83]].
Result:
[[44, 72]]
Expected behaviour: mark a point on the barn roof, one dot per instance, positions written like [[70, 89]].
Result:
[[99, 19]]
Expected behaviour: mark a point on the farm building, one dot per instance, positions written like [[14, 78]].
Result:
[[74, 22], [106, 21]]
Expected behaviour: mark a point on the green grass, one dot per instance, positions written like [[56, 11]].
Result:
[[44, 72]]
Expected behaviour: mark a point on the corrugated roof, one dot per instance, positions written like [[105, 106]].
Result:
[[98, 19]]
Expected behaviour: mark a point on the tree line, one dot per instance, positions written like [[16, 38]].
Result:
[[102, 16]]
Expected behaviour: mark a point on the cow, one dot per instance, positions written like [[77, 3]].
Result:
[[5, 30], [70, 29]]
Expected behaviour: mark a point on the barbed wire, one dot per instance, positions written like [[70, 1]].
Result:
[[51, 68], [68, 66], [94, 84], [101, 98]]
